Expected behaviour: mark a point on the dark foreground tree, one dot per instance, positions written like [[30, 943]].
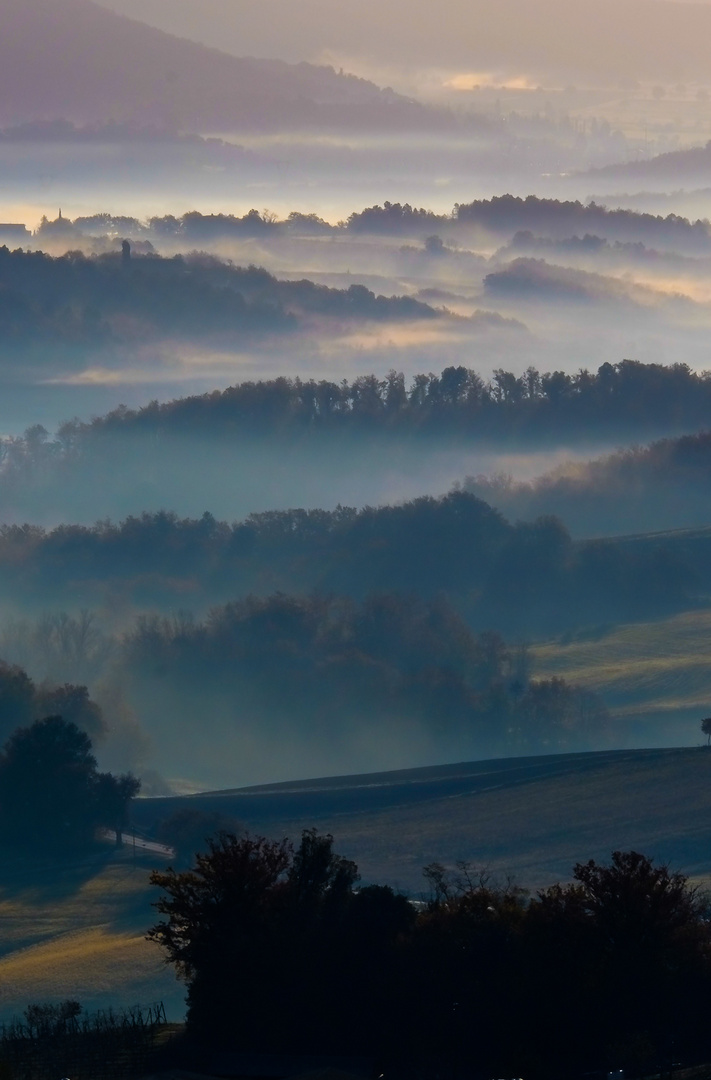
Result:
[[278, 950], [622, 957], [706, 728], [51, 793], [281, 952]]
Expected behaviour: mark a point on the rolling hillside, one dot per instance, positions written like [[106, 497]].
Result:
[[78, 929], [678, 166], [648, 673], [530, 817], [635, 39], [73, 59]]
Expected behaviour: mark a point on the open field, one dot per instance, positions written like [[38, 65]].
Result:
[[76, 930], [650, 672], [529, 817]]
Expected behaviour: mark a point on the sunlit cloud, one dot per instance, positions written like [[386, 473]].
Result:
[[474, 80]]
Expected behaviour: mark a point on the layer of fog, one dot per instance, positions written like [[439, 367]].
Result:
[[642, 490], [328, 175], [231, 480], [215, 731], [554, 305]]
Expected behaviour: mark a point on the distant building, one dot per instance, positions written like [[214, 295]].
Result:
[[13, 234], [61, 228]]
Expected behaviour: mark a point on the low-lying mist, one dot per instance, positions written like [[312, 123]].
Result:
[[505, 283], [264, 690], [664, 486], [272, 445]]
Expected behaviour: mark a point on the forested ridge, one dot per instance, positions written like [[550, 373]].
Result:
[[533, 407], [644, 488], [502, 215], [553, 217], [330, 673], [337, 670], [77, 300], [527, 577]]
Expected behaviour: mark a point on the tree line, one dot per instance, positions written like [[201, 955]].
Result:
[[533, 408], [523, 578], [280, 947], [75, 299], [501, 215]]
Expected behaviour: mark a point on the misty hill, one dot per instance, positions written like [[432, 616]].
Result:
[[80, 929], [73, 59], [505, 215], [562, 219], [676, 167], [76, 302], [530, 817], [326, 683], [591, 250], [651, 488], [524, 578], [537, 280], [276, 444], [538, 39]]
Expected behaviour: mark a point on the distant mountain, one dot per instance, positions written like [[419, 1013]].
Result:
[[75, 60], [678, 166], [610, 41]]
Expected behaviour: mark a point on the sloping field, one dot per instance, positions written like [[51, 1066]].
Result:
[[77, 930], [651, 671], [529, 817]]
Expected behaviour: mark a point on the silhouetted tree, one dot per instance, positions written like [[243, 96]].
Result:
[[113, 795], [51, 794]]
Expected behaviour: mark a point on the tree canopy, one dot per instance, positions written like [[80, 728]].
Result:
[[52, 795], [281, 948]]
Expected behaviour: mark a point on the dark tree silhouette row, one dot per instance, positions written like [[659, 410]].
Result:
[[502, 215], [76, 300], [523, 578], [507, 214], [279, 948], [532, 408]]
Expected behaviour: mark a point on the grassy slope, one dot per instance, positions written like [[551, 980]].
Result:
[[532, 818], [655, 671], [76, 929]]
